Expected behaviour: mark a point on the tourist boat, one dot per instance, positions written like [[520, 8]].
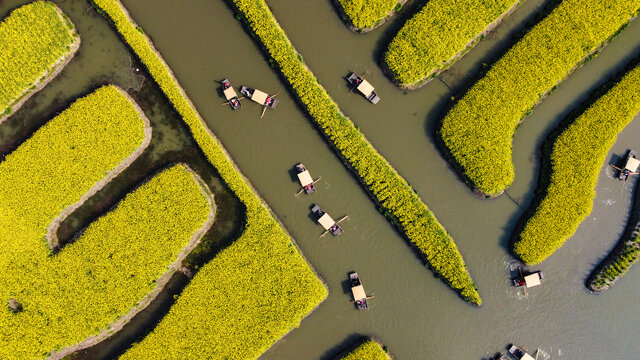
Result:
[[326, 221], [530, 280], [260, 97], [520, 354], [305, 179], [359, 296], [364, 87], [630, 166], [230, 94]]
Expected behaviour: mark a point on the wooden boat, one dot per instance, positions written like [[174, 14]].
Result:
[[630, 166], [326, 221], [529, 280], [306, 181], [230, 94], [364, 87], [520, 354], [260, 97], [499, 356], [357, 290]]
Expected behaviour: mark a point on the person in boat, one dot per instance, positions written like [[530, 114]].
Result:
[[521, 281], [334, 227], [225, 86], [307, 187], [234, 102]]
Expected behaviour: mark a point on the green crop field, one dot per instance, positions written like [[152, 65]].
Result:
[[77, 292], [396, 198], [580, 149], [477, 132], [368, 350], [366, 14], [35, 38], [438, 35], [254, 291]]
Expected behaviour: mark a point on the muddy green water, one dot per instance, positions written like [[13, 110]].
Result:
[[416, 315]]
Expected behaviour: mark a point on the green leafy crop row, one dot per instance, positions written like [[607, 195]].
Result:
[[366, 14], [438, 35], [389, 189], [478, 130], [368, 350], [254, 291], [79, 291], [577, 156], [34, 38]]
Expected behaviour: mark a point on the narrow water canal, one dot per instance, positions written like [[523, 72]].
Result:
[[416, 315]]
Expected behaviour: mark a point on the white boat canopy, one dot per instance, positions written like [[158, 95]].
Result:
[[532, 280], [632, 164], [527, 357], [358, 293], [229, 93], [326, 221], [305, 178], [365, 88], [259, 97]]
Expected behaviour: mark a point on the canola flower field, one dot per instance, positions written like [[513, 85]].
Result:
[[396, 198], [438, 35], [580, 149], [34, 38], [478, 130], [77, 292], [254, 291], [368, 350], [367, 14]]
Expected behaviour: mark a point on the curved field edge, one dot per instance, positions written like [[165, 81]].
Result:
[[49, 71], [290, 277], [363, 16], [177, 265], [367, 349], [52, 230], [477, 132], [392, 193], [580, 149], [438, 35], [50, 171]]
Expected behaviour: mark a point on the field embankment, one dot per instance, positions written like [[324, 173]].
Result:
[[578, 154], [366, 15], [395, 197], [254, 291], [38, 40], [438, 35], [477, 132]]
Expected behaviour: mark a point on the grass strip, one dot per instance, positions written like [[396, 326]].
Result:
[[396, 198], [36, 39], [75, 293], [477, 132], [575, 162], [254, 291], [438, 35], [368, 350], [366, 15]]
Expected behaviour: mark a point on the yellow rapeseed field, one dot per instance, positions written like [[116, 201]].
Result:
[[369, 350], [577, 157], [254, 291], [78, 291], [363, 14], [478, 130], [34, 38]]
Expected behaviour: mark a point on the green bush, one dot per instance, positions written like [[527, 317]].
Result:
[[366, 14], [438, 35], [577, 156], [254, 291], [368, 350], [401, 204], [34, 38], [478, 130]]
